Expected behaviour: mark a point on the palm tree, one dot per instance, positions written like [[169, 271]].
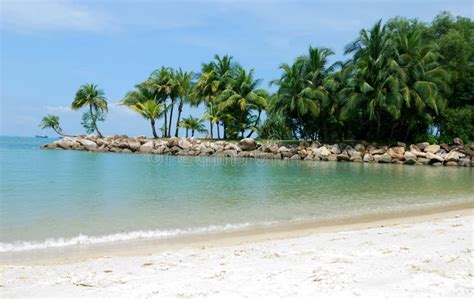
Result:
[[163, 85], [206, 89], [143, 102], [424, 79], [376, 83], [52, 121], [193, 124], [185, 85], [241, 96], [90, 95]]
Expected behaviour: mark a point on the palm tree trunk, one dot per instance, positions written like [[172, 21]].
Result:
[[256, 123], [61, 134], [166, 120], [192, 133], [153, 128], [225, 133], [218, 130], [94, 123], [211, 127], [187, 132], [171, 117], [180, 109]]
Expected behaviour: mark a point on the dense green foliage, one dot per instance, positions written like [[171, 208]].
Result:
[[404, 80]]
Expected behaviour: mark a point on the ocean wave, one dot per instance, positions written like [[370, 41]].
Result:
[[127, 236]]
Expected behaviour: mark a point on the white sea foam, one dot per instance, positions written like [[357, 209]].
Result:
[[135, 235]]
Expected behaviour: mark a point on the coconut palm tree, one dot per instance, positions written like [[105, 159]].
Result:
[[161, 82], [143, 101], [52, 122], [185, 85], [193, 124], [206, 89], [376, 84], [242, 96], [93, 97]]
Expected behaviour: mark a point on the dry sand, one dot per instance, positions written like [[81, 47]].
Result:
[[422, 259]]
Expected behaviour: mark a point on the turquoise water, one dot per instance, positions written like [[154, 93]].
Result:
[[58, 198]]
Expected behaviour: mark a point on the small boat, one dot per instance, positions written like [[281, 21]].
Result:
[[41, 136]]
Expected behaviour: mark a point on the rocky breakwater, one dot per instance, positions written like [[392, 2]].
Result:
[[424, 153]]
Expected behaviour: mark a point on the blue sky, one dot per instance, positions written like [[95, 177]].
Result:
[[49, 48]]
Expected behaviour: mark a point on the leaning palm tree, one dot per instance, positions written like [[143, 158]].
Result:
[[90, 95], [52, 122], [143, 101], [206, 89], [149, 110]]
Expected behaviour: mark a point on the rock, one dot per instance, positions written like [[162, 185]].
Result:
[[377, 158], [332, 157], [263, 155], [321, 152], [432, 148], [401, 144], [88, 144], [273, 148], [464, 162], [385, 158], [368, 158], [350, 150], [396, 152], [360, 148], [126, 150], [356, 157], [444, 147], [134, 145], [295, 157], [335, 149], [247, 144], [414, 147], [410, 158], [184, 144], [471, 146], [458, 141], [173, 141], [451, 163], [434, 158], [378, 151], [344, 156], [453, 156], [422, 145], [302, 153], [147, 147], [230, 153], [437, 164]]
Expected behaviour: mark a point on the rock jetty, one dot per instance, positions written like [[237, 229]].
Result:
[[424, 153]]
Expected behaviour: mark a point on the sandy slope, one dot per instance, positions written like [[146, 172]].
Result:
[[432, 258]]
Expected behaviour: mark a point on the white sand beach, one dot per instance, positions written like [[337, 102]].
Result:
[[422, 259]]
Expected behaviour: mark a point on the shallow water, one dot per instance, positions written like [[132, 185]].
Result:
[[52, 198]]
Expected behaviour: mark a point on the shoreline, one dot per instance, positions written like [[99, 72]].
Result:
[[253, 234], [427, 256]]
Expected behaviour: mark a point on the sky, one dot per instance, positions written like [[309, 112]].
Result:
[[49, 48]]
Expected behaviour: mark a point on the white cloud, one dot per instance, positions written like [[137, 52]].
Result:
[[115, 106], [54, 15]]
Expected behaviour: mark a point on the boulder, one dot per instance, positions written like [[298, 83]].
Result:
[[126, 150], [332, 157], [134, 145], [377, 158], [173, 141], [451, 163], [184, 144], [88, 144], [423, 161], [396, 152], [458, 141], [410, 158], [295, 157], [453, 156], [344, 156], [335, 149], [247, 144], [422, 145], [321, 152], [368, 158], [431, 148], [385, 158], [434, 158], [146, 147], [378, 151], [360, 148], [356, 157]]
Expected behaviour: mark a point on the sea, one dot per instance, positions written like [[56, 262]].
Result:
[[59, 198]]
